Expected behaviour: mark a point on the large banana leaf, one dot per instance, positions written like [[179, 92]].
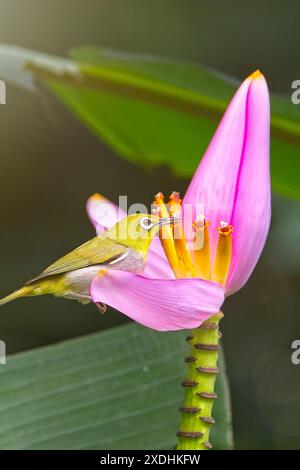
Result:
[[119, 389], [153, 111]]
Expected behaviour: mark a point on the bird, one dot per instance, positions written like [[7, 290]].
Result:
[[124, 247]]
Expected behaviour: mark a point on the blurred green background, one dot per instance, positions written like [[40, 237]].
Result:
[[50, 164]]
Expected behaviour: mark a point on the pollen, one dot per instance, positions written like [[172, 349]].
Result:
[[174, 199], [223, 253], [225, 228]]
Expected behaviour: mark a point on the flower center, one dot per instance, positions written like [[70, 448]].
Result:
[[193, 259]]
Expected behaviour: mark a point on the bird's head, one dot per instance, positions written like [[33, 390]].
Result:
[[138, 230]]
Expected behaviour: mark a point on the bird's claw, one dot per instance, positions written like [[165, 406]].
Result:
[[101, 307]]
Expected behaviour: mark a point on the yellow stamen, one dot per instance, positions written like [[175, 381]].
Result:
[[223, 254], [202, 248], [181, 246], [174, 199], [166, 235]]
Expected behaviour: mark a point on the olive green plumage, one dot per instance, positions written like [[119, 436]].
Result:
[[124, 246]]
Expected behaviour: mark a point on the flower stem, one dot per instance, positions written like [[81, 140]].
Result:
[[199, 395]]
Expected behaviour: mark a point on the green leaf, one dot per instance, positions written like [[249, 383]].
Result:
[[153, 111], [150, 110], [172, 121], [119, 389]]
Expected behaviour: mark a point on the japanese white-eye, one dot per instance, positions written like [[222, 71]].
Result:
[[124, 246]]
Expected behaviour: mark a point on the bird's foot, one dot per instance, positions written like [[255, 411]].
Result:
[[101, 307]]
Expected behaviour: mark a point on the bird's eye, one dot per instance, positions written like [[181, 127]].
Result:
[[146, 223]]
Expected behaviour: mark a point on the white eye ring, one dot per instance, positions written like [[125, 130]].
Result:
[[146, 223]]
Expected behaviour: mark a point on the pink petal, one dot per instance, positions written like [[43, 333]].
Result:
[[252, 209], [214, 183], [232, 181], [103, 213], [157, 266], [163, 305]]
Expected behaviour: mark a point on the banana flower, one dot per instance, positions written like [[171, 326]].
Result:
[[225, 213]]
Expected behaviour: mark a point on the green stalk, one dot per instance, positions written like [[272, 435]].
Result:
[[199, 395]]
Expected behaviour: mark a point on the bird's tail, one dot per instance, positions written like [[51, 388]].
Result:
[[26, 290]]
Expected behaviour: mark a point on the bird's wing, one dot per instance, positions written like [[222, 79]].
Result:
[[100, 251]]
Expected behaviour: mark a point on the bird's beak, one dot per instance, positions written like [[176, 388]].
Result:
[[168, 221]]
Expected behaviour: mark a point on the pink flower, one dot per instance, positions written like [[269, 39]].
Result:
[[232, 189]]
